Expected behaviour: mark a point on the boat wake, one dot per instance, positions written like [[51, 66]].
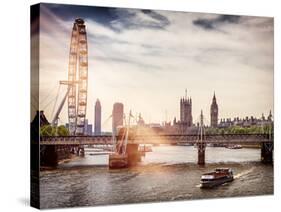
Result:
[[243, 173]]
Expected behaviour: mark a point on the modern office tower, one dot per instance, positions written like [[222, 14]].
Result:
[[117, 116], [97, 118], [90, 129]]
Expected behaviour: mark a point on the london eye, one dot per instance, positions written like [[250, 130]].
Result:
[[77, 82], [78, 62]]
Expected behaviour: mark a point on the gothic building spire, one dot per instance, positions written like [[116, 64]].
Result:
[[269, 116], [214, 111], [185, 112], [214, 97]]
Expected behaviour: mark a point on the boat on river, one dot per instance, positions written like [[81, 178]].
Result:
[[218, 177], [237, 146]]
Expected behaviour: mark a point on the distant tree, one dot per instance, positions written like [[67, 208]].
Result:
[[237, 130], [241, 130], [62, 131], [48, 130]]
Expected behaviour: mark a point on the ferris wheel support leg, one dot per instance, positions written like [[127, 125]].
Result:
[[56, 117]]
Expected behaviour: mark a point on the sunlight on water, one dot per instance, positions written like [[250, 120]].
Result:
[[176, 155]]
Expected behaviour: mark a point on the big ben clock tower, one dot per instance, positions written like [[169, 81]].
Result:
[[214, 112]]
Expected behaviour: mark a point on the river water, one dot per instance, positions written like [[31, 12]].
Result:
[[165, 174]]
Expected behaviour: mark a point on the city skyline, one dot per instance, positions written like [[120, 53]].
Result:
[[215, 120], [146, 59]]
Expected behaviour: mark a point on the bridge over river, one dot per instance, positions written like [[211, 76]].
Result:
[[160, 139], [265, 141]]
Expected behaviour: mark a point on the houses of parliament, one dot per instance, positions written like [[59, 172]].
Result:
[[185, 123]]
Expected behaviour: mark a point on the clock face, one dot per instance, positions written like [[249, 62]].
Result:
[[215, 110]]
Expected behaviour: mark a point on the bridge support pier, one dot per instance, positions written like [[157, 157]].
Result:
[[134, 156], [201, 154], [77, 149], [201, 157], [131, 158], [80, 151], [50, 155], [267, 152]]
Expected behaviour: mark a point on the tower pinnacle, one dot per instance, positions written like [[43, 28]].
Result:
[[214, 112], [214, 97]]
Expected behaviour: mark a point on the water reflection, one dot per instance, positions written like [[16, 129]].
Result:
[[176, 155], [168, 173]]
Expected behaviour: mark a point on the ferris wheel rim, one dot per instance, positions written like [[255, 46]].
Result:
[[78, 78]]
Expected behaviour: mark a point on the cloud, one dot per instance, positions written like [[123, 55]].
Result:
[[214, 23], [135, 19], [117, 19], [136, 55], [128, 61]]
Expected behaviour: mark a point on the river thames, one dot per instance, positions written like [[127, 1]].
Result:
[[167, 173]]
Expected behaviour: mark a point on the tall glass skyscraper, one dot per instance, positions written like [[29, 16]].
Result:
[[97, 118]]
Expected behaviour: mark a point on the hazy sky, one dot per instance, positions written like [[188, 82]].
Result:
[[146, 59]]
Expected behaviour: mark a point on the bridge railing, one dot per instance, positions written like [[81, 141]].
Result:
[[162, 138]]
